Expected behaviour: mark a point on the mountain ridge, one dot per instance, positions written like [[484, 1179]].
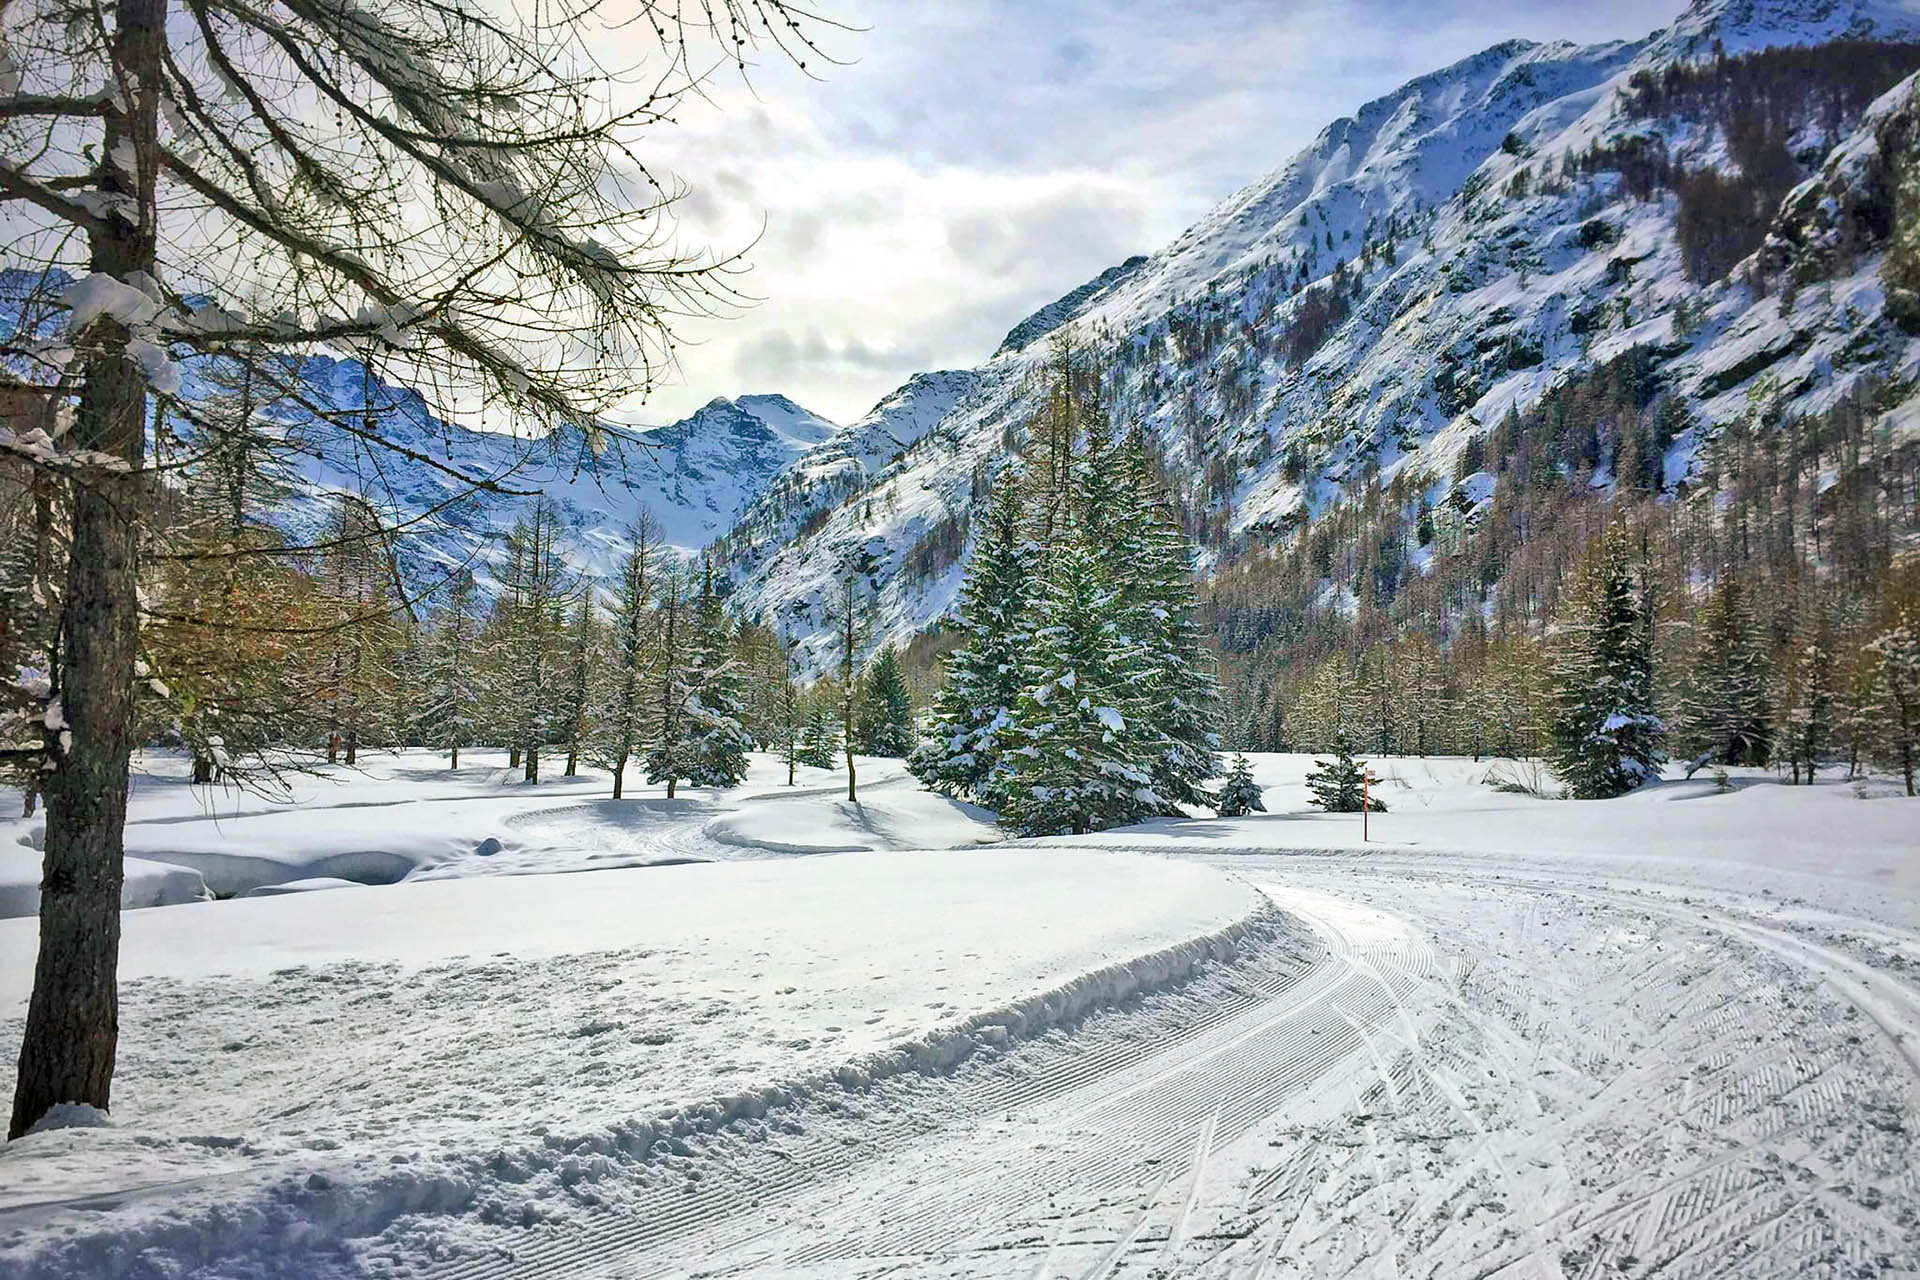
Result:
[[1449, 224]]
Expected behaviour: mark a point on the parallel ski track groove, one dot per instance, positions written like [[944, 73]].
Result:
[[819, 1159]]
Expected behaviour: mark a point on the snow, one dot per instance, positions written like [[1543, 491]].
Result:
[[148, 884], [499, 1044], [1450, 804], [1482, 1064], [407, 816], [871, 1039], [98, 294]]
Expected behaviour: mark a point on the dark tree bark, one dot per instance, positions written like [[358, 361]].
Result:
[[73, 1018]]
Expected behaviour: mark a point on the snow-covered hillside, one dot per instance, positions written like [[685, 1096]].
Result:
[[695, 477], [1447, 254]]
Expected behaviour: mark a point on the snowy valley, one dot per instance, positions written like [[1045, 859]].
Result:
[[553, 1058], [1381, 737]]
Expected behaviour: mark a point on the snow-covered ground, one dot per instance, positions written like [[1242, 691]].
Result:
[[1851, 844], [1676, 1033], [477, 1052], [408, 816]]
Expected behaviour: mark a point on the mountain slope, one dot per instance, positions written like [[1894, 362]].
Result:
[[1449, 253], [694, 477]]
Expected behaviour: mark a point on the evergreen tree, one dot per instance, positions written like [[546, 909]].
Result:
[[1898, 652], [1178, 698], [1606, 737], [1724, 713], [820, 737], [1075, 764], [1240, 795], [1339, 785], [718, 741], [989, 669], [886, 709]]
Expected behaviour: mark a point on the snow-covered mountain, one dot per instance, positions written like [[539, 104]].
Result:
[[695, 477], [1448, 253]]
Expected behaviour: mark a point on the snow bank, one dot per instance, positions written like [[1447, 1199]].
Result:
[[407, 816], [302, 1069], [148, 884], [889, 815]]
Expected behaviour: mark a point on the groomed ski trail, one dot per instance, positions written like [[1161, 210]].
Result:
[[1590, 1078]]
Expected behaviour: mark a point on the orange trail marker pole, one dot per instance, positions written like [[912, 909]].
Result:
[[1366, 802]]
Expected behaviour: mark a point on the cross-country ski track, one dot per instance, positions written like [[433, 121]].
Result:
[[1450, 1067]]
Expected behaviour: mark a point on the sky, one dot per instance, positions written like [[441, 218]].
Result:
[[961, 163]]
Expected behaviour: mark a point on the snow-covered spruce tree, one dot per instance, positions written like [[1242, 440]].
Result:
[[988, 671], [1178, 702], [1339, 785], [1606, 738], [1898, 652], [886, 708], [820, 736], [620, 720], [717, 740], [1724, 711], [446, 188], [1074, 763], [1240, 795]]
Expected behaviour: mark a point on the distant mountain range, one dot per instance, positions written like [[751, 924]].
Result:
[[695, 477]]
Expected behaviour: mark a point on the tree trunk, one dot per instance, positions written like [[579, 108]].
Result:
[[533, 762], [671, 783], [619, 775], [73, 1017], [573, 762], [202, 769], [513, 757], [454, 763]]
